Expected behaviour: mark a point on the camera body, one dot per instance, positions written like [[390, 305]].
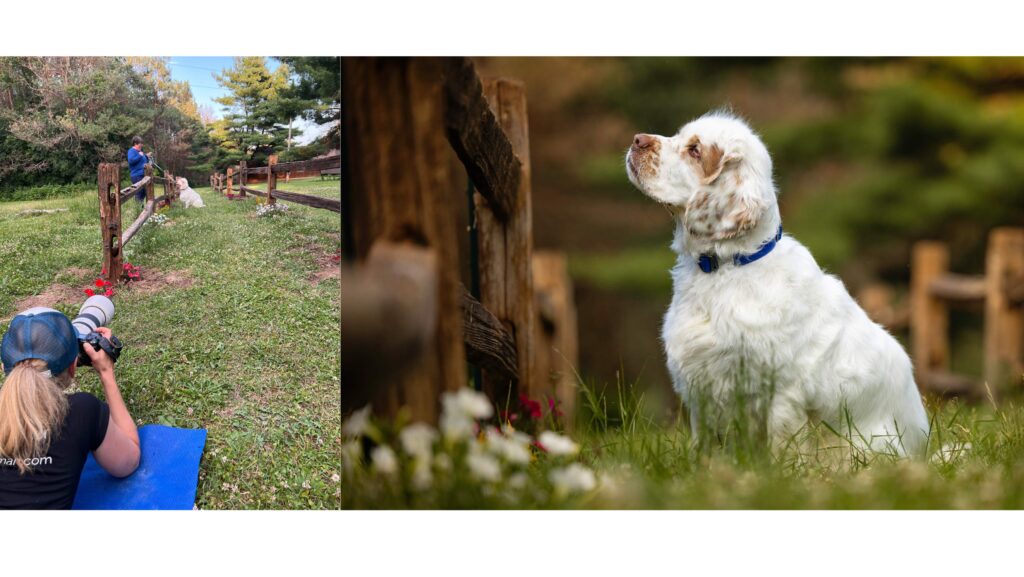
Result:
[[95, 312]]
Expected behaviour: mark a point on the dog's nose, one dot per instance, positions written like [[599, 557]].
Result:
[[643, 140]]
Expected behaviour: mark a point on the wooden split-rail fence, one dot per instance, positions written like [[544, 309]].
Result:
[[409, 323], [234, 181], [999, 292], [111, 196]]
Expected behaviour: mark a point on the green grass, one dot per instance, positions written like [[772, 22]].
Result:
[[246, 346], [975, 461]]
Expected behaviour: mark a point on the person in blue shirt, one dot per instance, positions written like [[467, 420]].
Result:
[[137, 166]]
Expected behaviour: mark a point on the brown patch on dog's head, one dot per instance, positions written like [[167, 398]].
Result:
[[711, 163]]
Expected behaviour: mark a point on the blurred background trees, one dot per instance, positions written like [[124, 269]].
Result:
[[870, 156], [60, 116]]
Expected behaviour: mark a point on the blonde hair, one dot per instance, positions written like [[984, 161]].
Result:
[[32, 409]]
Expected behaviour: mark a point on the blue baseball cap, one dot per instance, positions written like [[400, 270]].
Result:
[[40, 333]]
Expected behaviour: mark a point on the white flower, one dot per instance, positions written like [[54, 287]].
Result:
[[357, 423], [521, 438], [507, 448], [574, 478], [484, 467], [468, 403], [350, 453], [384, 460], [517, 481], [418, 440], [556, 444], [456, 426]]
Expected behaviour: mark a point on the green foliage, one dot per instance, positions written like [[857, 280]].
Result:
[[318, 86], [639, 461], [60, 117], [258, 112]]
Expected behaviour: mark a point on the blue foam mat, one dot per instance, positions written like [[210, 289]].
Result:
[[167, 476]]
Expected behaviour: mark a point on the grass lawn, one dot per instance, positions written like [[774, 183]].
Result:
[[234, 328], [630, 460]]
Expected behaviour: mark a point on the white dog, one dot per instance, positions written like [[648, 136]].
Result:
[[753, 317], [188, 196]]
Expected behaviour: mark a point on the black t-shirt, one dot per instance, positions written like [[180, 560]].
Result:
[[53, 480]]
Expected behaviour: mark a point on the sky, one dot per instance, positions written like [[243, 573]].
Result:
[[199, 72]]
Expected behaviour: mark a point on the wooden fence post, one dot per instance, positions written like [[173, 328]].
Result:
[[401, 191], [271, 179], [506, 247], [109, 184], [557, 339], [231, 173], [929, 315], [241, 178], [149, 185], [169, 187], [1004, 318]]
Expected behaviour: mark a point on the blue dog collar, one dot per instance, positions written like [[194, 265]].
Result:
[[708, 262]]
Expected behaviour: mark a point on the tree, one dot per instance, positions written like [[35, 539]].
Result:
[[318, 86], [258, 111]]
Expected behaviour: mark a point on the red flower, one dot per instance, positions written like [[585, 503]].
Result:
[[90, 292], [104, 272], [530, 406], [107, 283], [539, 446], [99, 283], [109, 293]]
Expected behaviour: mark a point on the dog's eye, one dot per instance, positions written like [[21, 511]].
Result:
[[694, 151]]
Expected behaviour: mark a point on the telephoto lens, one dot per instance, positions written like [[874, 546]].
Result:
[[95, 312]]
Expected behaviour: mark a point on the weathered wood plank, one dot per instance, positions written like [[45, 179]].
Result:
[[388, 322], [242, 171], [309, 165], [506, 248], [929, 316], [488, 344], [126, 192], [255, 191], [1004, 321], [399, 186], [271, 178], [147, 212], [478, 138], [309, 200], [958, 288], [557, 347], [108, 180]]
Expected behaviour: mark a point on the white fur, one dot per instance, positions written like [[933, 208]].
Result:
[[780, 319], [188, 196]]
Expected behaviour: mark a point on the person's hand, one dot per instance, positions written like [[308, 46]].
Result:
[[101, 361]]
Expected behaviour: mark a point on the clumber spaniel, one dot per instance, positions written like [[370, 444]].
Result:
[[188, 196], [754, 321]]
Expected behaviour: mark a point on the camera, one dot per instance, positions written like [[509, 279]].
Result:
[[95, 312]]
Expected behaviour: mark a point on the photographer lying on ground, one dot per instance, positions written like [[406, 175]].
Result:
[[45, 435]]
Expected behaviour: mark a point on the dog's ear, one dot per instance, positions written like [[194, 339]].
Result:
[[734, 208], [713, 160]]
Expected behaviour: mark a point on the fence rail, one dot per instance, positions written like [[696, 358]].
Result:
[[517, 324], [999, 293], [110, 196], [234, 178]]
